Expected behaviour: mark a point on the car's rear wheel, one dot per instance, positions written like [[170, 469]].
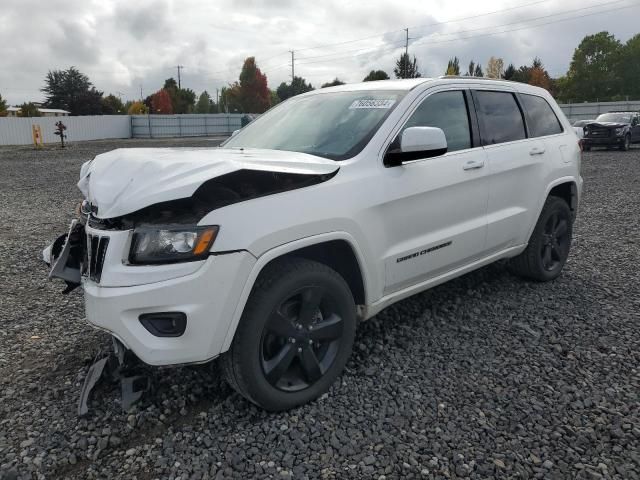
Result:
[[627, 143], [295, 335], [549, 245], [586, 148]]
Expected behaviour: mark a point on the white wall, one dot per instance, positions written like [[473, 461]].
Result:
[[589, 111], [17, 131]]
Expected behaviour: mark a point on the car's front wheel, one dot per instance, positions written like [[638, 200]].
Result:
[[295, 335], [549, 244], [627, 143]]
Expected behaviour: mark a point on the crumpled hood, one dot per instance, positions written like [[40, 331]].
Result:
[[125, 180], [607, 124]]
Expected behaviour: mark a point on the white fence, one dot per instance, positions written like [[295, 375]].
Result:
[[198, 125], [588, 111], [17, 131]]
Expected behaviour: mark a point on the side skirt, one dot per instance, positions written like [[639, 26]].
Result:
[[369, 311]]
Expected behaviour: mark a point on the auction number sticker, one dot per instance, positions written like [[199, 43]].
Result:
[[372, 103]]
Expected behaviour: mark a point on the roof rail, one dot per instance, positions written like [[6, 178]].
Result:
[[466, 77]]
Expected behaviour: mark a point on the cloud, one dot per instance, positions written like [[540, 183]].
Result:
[[123, 44]]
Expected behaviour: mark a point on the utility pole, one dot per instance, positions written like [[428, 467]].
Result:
[[406, 43], [141, 96], [179, 67], [217, 97], [292, 67]]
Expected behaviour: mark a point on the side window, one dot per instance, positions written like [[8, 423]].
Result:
[[542, 119], [448, 111], [500, 117]]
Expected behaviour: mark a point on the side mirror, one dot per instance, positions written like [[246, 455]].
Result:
[[417, 143]]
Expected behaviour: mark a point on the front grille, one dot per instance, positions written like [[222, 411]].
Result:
[[95, 253], [598, 132]]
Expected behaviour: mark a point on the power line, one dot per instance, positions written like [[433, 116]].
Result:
[[390, 47], [426, 25]]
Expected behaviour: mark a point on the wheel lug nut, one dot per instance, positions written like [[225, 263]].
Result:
[[310, 342], [299, 350], [292, 340]]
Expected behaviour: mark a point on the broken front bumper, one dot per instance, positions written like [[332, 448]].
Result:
[[208, 298], [118, 295]]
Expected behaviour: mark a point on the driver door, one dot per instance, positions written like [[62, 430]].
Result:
[[436, 210]]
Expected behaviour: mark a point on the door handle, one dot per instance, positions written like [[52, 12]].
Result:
[[536, 151], [473, 165]]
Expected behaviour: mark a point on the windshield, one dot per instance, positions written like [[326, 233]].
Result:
[[335, 125], [615, 117]]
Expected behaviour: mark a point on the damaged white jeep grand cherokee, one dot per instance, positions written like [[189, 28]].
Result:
[[325, 210]]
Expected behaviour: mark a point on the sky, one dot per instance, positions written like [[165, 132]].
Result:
[[126, 46]]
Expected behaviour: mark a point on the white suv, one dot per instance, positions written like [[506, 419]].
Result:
[[330, 207]]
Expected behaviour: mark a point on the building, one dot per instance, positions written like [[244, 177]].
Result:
[[44, 112]]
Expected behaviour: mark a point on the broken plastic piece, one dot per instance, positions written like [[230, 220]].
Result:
[[93, 375], [132, 389]]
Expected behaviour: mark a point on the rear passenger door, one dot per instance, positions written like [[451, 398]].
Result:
[[516, 167]]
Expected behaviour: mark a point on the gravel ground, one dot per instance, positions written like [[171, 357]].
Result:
[[486, 376]]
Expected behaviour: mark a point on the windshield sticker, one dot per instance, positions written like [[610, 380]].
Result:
[[384, 103]]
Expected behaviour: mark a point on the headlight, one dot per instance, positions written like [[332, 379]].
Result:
[[619, 131], [171, 244]]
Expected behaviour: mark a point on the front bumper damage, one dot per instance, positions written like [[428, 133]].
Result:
[[67, 256]]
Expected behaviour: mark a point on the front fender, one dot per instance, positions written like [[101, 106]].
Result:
[[282, 250]]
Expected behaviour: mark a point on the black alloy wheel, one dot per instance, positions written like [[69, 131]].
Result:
[[301, 339], [555, 242], [549, 243], [295, 335]]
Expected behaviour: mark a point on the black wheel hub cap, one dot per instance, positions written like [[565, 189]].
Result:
[[555, 242], [301, 339]]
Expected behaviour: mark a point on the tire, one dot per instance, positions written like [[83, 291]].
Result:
[[294, 337], [627, 143], [587, 148], [549, 245]]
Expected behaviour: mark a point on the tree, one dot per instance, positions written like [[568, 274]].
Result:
[[495, 67], [509, 72], [161, 102], [3, 107], [29, 109], [405, 68], [478, 71], [453, 68], [629, 68], [335, 82], [471, 70], [138, 108], [592, 75], [204, 103], [184, 101], [230, 99], [376, 75], [71, 90], [298, 86], [538, 76], [275, 99], [254, 93], [112, 105]]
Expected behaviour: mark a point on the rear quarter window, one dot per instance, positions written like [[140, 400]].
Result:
[[542, 119]]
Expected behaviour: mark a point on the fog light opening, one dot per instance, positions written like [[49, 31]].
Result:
[[164, 324]]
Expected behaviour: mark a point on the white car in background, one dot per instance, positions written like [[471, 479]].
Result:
[[323, 211]]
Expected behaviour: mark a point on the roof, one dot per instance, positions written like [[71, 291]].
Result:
[[411, 83], [403, 84]]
